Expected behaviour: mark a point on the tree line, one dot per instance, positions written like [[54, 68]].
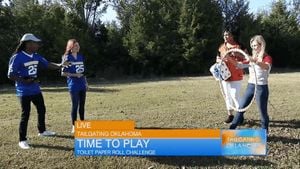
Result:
[[152, 38]]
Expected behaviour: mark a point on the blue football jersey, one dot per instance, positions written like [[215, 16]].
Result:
[[77, 66], [25, 66]]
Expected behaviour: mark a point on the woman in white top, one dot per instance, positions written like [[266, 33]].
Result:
[[262, 68]]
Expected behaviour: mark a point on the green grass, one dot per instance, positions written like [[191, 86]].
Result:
[[191, 102]]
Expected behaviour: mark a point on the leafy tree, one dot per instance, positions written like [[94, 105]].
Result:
[[200, 27], [282, 34], [152, 37], [117, 62], [125, 12], [8, 39]]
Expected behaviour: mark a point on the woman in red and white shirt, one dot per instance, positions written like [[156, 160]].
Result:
[[262, 66]]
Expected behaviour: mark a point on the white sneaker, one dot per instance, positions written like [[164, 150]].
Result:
[[47, 133], [24, 145], [73, 129]]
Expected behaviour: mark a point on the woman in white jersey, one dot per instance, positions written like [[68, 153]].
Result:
[[262, 68]]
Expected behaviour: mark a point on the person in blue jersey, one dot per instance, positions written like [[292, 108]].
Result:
[[23, 69], [76, 80]]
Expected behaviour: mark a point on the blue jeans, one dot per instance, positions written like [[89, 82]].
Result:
[[262, 95], [78, 100]]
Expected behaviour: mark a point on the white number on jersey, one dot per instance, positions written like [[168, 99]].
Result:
[[79, 68], [32, 70]]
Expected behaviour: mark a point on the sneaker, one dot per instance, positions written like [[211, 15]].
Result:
[[73, 129], [47, 133], [229, 119], [24, 145]]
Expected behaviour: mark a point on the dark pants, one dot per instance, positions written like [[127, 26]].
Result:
[[262, 95], [78, 100], [25, 101]]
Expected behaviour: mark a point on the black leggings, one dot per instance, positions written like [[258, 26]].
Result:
[[78, 102], [25, 101]]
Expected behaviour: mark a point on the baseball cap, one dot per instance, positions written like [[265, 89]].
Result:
[[29, 37]]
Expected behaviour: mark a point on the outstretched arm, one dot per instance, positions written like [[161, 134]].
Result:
[[55, 66], [263, 65]]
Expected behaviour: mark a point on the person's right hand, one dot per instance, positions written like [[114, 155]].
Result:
[[79, 75], [28, 80]]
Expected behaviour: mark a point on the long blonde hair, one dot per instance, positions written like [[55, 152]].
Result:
[[261, 41]]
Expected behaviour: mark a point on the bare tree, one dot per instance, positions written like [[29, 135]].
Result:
[[233, 9], [88, 10]]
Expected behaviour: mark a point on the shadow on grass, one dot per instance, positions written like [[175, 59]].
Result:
[[12, 90], [64, 136], [103, 90], [55, 89], [209, 161], [294, 124], [251, 123], [136, 80], [52, 147], [284, 140], [91, 89]]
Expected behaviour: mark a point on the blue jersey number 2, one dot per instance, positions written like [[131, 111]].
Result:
[[32, 70], [79, 68]]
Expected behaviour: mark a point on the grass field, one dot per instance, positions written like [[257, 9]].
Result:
[[191, 102]]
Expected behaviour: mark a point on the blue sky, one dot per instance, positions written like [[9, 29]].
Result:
[[259, 5]]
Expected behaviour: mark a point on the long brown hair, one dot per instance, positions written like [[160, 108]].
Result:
[[21, 46]]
